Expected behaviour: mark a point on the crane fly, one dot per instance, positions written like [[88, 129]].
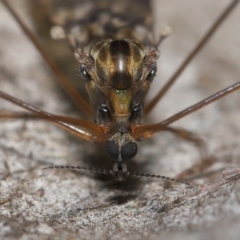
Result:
[[117, 53]]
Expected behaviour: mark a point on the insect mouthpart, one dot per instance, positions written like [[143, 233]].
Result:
[[121, 147], [120, 171]]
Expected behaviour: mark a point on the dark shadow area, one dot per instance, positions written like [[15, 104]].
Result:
[[100, 160], [120, 200]]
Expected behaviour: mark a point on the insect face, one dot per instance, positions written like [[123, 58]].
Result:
[[121, 147], [117, 81], [121, 73], [118, 72]]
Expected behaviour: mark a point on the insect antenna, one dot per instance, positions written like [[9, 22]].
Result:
[[148, 175], [78, 168], [110, 172]]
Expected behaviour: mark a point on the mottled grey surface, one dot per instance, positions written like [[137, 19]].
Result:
[[53, 204]]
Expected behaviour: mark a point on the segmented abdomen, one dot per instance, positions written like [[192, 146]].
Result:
[[93, 20]]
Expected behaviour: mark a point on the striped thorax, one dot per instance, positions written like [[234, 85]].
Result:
[[113, 42]]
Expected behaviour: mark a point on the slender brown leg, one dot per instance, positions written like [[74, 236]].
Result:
[[196, 168], [206, 159], [146, 131], [62, 79], [142, 132], [81, 128], [190, 137], [189, 58]]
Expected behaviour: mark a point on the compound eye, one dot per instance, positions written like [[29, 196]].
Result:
[[85, 75], [129, 150], [152, 74], [112, 150]]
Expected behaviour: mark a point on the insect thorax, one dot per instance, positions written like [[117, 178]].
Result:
[[117, 80], [117, 61], [118, 74], [113, 41]]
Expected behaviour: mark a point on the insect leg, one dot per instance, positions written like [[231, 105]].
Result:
[[190, 137], [146, 131], [206, 159], [62, 79], [81, 128], [189, 58]]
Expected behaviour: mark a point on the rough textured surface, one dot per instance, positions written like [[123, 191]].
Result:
[[55, 204]]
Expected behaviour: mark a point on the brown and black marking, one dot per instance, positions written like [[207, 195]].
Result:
[[89, 21], [113, 42], [117, 59]]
